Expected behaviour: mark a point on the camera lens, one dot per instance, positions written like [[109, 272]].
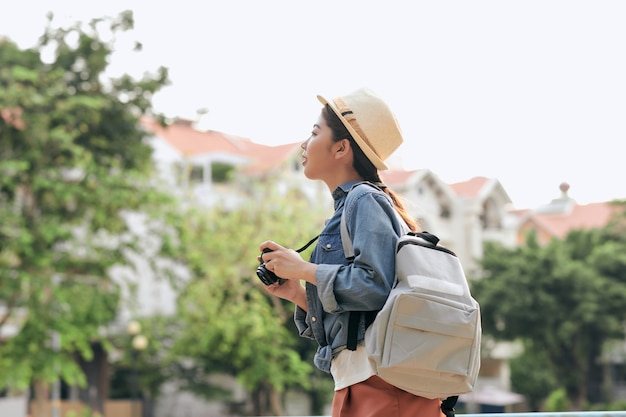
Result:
[[267, 277]]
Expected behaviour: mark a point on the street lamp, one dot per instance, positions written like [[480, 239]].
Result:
[[138, 343]]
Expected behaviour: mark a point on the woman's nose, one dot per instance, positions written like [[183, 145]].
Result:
[[304, 144]]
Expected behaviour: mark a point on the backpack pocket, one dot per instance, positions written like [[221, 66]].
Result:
[[435, 332], [431, 345]]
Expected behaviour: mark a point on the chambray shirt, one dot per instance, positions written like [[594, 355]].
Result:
[[362, 285]]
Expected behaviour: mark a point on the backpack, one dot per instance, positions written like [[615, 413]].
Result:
[[426, 338]]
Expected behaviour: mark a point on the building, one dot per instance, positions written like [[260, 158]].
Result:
[[556, 219]]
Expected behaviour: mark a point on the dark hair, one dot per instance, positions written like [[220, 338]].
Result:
[[363, 165]]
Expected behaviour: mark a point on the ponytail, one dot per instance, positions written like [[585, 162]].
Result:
[[364, 166], [398, 204]]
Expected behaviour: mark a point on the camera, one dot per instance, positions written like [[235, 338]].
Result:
[[265, 275]]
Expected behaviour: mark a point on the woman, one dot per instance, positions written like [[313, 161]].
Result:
[[349, 143]]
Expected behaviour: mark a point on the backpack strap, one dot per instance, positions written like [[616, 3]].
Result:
[[348, 250], [353, 326], [429, 237], [353, 329], [346, 242], [447, 405]]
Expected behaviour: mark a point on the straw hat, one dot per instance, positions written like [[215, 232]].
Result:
[[370, 122]]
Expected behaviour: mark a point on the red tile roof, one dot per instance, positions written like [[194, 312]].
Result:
[[471, 188], [189, 141], [184, 137], [588, 216], [393, 177], [265, 158]]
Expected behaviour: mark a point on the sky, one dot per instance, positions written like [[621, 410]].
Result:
[[532, 92]]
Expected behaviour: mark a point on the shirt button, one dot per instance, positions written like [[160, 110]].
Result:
[[313, 319], [328, 246]]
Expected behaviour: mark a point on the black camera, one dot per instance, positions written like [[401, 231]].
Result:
[[265, 275]]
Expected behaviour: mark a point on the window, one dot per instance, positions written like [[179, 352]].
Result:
[[445, 212], [489, 217], [222, 172], [196, 174]]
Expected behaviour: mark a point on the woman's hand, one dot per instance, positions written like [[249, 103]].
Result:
[[290, 290], [289, 265]]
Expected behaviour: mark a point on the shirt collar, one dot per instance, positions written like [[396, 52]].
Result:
[[341, 191]]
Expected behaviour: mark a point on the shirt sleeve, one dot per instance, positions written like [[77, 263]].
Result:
[[300, 318], [364, 284]]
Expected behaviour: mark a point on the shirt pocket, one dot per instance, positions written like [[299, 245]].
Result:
[[330, 249]]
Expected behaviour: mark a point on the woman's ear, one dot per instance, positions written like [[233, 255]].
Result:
[[342, 147]]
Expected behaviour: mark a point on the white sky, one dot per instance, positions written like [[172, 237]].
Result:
[[531, 92]]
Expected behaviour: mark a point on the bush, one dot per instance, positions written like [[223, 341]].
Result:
[[557, 401]]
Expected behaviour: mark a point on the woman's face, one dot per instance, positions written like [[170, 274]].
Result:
[[317, 158]]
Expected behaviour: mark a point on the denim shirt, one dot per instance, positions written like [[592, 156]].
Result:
[[362, 285]]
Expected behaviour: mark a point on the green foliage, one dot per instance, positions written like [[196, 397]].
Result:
[[533, 374], [557, 401], [617, 406], [152, 366], [231, 325], [564, 300], [72, 161], [222, 172]]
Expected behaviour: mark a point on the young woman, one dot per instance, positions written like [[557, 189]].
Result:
[[349, 143]]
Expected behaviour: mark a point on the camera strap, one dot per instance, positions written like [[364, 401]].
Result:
[[308, 244]]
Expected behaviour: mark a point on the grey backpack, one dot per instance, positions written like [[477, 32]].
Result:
[[426, 338]]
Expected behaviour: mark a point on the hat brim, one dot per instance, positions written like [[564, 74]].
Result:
[[371, 155]]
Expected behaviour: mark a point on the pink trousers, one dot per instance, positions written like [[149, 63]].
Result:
[[376, 398]]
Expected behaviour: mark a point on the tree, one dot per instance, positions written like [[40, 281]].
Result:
[[564, 301], [72, 162], [231, 325], [142, 373]]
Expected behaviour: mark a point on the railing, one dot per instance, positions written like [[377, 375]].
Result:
[[541, 414], [552, 414]]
